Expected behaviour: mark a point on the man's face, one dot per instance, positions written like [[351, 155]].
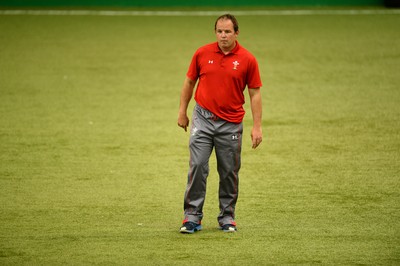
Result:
[[226, 35]]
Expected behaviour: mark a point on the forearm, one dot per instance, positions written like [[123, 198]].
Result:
[[186, 95], [256, 107]]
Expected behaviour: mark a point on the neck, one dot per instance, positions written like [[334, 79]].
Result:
[[228, 50]]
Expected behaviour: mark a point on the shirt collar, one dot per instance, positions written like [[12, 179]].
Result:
[[234, 51]]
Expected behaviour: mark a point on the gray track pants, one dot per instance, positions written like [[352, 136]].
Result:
[[207, 132]]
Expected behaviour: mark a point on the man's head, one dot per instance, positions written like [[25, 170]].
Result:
[[231, 18], [226, 29]]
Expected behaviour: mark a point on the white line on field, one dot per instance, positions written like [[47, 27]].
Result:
[[199, 13]]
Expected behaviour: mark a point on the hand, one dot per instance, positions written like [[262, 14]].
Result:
[[183, 121], [256, 137]]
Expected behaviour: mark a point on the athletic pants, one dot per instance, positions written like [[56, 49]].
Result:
[[208, 132]]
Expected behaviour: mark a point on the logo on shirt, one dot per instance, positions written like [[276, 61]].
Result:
[[235, 65], [211, 61]]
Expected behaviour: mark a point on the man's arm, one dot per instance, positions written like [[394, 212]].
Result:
[[256, 109], [186, 96]]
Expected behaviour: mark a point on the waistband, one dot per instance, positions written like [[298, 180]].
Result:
[[205, 113]]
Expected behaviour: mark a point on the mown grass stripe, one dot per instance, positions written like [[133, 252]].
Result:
[[199, 13]]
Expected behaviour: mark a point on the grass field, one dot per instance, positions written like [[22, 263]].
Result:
[[93, 166]]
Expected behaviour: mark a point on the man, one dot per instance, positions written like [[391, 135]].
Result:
[[223, 69]]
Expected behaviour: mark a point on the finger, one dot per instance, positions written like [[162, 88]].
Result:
[[183, 126], [256, 143]]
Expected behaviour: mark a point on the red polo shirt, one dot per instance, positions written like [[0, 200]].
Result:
[[222, 79]]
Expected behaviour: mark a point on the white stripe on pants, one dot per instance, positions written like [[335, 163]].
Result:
[[208, 132]]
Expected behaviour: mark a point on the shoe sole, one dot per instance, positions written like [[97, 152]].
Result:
[[185, 231], [230, 230]]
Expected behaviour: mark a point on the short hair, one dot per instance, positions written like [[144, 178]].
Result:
[[231, 18]]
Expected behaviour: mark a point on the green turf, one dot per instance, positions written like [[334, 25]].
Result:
[[93, 166]]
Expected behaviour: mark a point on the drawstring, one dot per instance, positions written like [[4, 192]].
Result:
[[205, 112], [214, 117]]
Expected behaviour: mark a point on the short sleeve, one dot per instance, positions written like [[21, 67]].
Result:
[[193, 71], [253, 74]]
